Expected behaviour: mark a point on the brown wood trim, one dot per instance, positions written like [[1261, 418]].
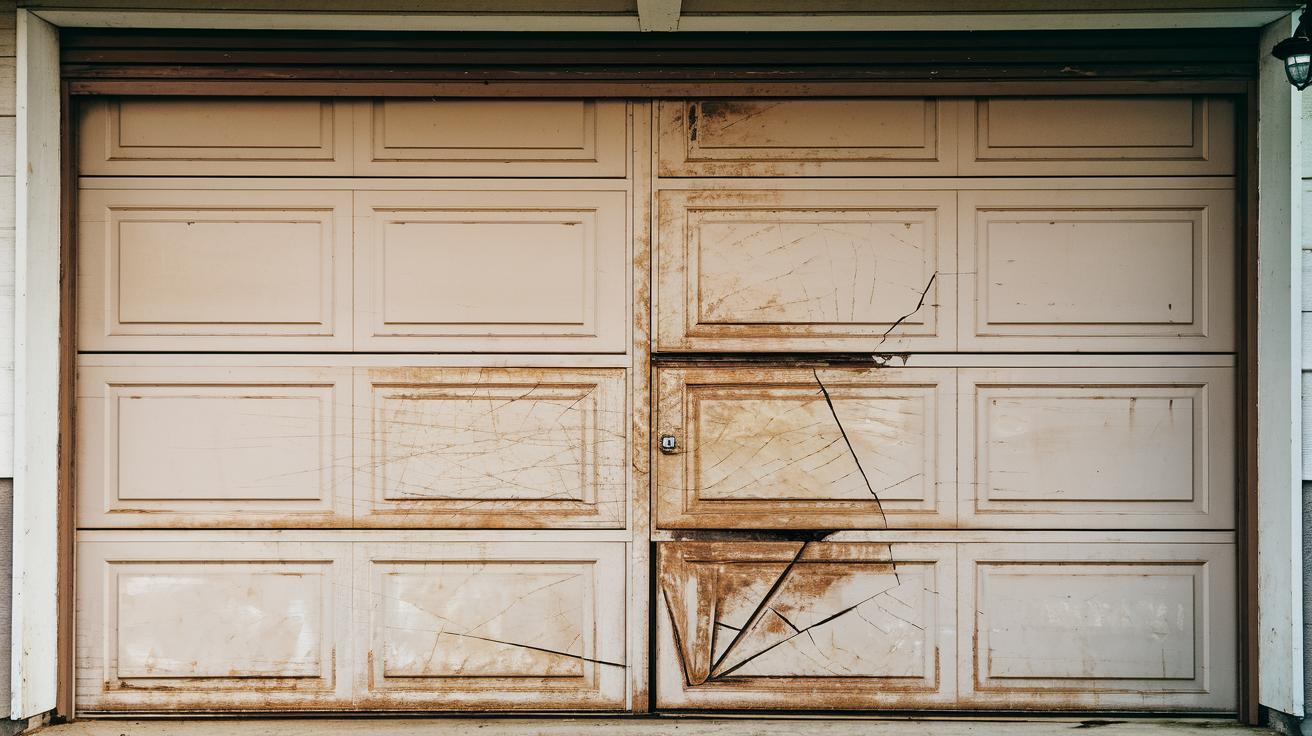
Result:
[[585, 88], [646, 64], [1246, 497], [65, 662]]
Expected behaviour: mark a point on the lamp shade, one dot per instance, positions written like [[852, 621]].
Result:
[[1296, 52]]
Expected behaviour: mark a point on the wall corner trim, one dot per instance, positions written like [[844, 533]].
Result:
[[34, 668], [1279, 407]]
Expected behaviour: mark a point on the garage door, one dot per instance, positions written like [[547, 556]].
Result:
[[942, 404]]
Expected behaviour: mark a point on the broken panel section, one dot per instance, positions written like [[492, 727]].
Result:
[[794, 270], [490, 447], [810, 625], [1118, 626], [500, 626], [801, 448]]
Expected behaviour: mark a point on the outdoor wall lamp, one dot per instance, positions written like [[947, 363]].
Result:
[[1296, 52]]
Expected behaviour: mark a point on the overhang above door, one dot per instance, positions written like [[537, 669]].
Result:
[[661, 15]]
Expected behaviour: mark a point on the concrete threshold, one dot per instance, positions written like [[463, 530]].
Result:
[[651, 726]]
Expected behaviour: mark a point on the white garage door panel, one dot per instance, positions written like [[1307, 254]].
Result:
[[1175, 135], [811, 137], [1109, 448], [494, 271], [806, 270], [811, 626], [455, 137], [206, 270], [795, 448], [182, 447], [1087, 625], [1085, 270], [509, 626], [215, 136], [453, 447], [194, 625]]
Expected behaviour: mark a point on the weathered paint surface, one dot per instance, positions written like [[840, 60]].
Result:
[[841, 625], [443, 477]]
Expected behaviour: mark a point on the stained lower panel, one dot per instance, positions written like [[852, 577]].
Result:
[[804, 625]]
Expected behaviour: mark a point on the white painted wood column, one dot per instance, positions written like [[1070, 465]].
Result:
[[34, 663], [1279, 406]]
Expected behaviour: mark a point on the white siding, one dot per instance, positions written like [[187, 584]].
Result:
[[7, 133]]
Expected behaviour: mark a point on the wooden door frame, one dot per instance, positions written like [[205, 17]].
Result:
[[1247, 347]]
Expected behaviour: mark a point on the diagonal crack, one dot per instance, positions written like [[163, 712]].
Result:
[[537, 649], [760, 607], [798, 632], [785, 620], [908, 315], [830, 402]]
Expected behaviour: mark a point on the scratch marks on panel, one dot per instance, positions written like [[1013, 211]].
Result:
[[799, 609]]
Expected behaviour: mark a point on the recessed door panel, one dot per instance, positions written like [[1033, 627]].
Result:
[[787, 270], [909, 136], [1143, 271], [810, 625], [817, 448], [215, 136], [188, 625], [1154, 135], [401, 136], [484, 447], [491, 271], [1109, 448], [214, 270], [213, 446], [499, 626], [1074, 626]]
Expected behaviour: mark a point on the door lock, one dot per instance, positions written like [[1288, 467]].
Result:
[[669, 445]]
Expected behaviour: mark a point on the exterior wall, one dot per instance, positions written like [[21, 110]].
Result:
[[7, 208], [1307, 399], [8, 95]]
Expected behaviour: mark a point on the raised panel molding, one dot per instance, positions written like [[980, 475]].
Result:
[[1148, 270], [187, 626], [783, 448], [490, 448], [1175, 135], [481, 137], [187, 447], [809, 625], [784, 270], [491, 271], [214, 270], [808, 137], [309, 136], [495, 626], [1079, 626], [1097, 448], [215, 136]]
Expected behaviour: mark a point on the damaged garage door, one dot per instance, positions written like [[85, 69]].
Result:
[[941, 404], [1016, 487]]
